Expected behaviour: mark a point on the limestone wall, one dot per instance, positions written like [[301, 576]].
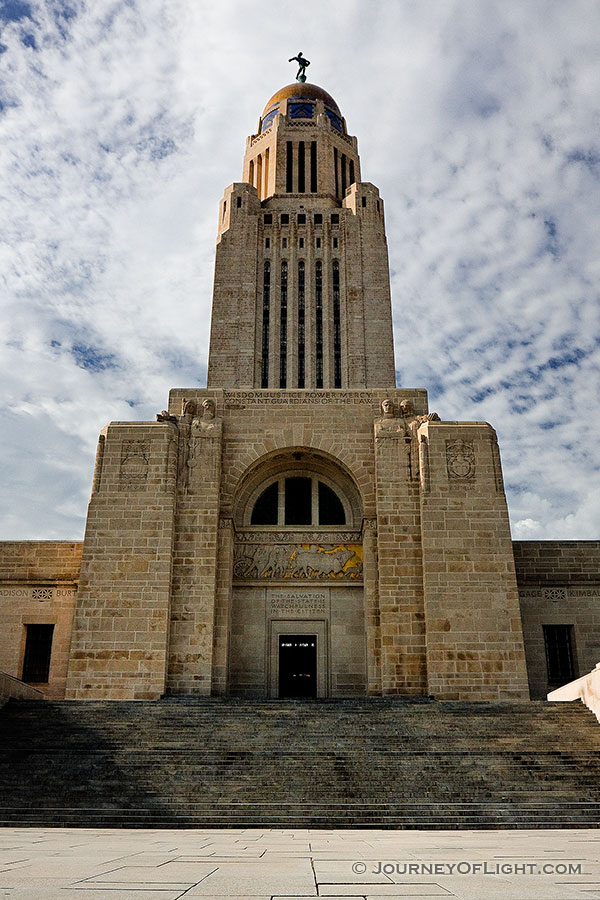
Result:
[[559, 584], [38, 584]]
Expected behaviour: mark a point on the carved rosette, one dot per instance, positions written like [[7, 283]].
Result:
[[460, 460]]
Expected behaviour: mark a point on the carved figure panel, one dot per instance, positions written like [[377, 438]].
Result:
[[298, 561], [460, 459], [133, 472]]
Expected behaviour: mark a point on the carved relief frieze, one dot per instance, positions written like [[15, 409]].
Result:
[[333, 562], [460, 460], [133, 471]]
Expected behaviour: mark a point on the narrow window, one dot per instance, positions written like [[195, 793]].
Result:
[[264, 376], [319, 323], [351, 170], [289, 167], [265, 508], [337, 328], [331, 511], [363, 201], [301, 176], [318, 218], [335, 219], [284, 243], [301, 326], [313, 166], [318, 243], [378, 206], [559, 653], [298, 501], [285, 219], [238, 202], [335, 243], [38, 649], [266, 185], [268, 219], [301, 243], [301, 218], [251, 172], [224, 208], [283, 328], [335, 169], [267, 243], [343, 174]]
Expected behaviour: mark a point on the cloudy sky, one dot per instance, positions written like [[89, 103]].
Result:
[[122, 121]]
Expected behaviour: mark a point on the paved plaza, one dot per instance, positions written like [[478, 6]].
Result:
[[102, 864]]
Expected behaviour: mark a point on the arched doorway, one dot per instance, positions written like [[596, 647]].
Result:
[[297, 618]]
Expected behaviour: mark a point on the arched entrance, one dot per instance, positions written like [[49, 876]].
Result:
[[297, 618]]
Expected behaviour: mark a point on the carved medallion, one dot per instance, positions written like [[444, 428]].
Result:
[[460, 459]]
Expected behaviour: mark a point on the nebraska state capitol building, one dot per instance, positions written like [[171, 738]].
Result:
[[301, 526]]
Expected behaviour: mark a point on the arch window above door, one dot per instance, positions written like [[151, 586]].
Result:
[[299, 500]]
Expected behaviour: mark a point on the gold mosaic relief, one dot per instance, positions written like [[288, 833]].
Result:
[[333, 562]]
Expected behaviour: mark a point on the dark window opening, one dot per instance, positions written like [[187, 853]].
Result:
[[337, 328], [313, 166], [318, 243], [224, 208], [335, 219], [265, 508], [264, 374], [331, 511], [363, 201], [352, 171], [559, 653], [301, 327], [289, 167], [319, 324], [284, 243], [301, 243], [238, 202], [285, 219], [283, 327], [343, 174], [318, 218], [335, 243], [335, 169], [297, 665], [267, 243], [301, 177], [301, 218], [268, 219], [378, 206], [298, 501], [38, 650]]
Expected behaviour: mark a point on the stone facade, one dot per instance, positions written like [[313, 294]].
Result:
[[301, 494]]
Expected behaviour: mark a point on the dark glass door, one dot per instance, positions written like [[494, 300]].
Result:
[[297, 665], [38, 649]]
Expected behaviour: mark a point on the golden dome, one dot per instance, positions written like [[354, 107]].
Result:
[[303, 91]]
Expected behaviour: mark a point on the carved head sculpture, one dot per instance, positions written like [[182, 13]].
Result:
[[387, 408], [189, 407], [406, 408], [208, 407]]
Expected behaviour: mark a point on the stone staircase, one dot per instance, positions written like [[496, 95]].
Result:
[[385, 763]]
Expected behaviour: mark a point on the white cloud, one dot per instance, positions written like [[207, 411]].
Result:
[[478, 121]]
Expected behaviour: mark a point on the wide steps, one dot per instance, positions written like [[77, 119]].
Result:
[[370, 763]]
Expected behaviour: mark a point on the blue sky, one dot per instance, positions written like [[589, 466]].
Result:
[[122, 122]]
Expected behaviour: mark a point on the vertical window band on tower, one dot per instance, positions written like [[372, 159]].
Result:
[[337, 327], [352, 179], [319, 324], [289, 167], [264, 367], [313, 166], [301, 326], [301, 168], [343, 174], [335, 169], [283, 327]]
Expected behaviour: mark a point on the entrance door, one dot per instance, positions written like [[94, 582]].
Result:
[[297, 665]]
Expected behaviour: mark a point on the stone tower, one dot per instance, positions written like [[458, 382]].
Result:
[[300, 527]]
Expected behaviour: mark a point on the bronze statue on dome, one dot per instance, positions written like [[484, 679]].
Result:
[[303, 63]]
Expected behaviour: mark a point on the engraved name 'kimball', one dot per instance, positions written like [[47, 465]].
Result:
[[298, 561]]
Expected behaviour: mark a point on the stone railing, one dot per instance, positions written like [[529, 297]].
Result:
[[586, 689], [12, 688]]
